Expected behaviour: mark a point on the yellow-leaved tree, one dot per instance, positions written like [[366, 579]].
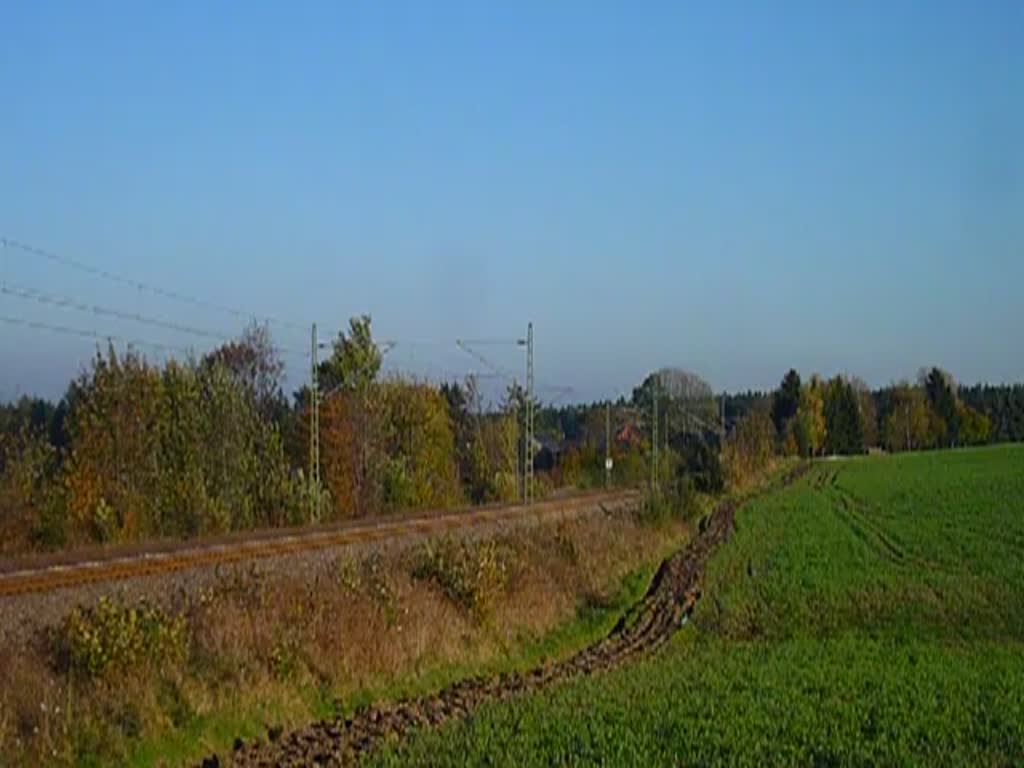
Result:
[[809, 424], [420, 468]]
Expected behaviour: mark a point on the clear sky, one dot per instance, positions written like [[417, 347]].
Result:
[[735, 188]]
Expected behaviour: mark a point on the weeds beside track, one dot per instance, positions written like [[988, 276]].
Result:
[[671, 597]]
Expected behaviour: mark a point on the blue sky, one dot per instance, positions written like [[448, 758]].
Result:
[[735, 188]]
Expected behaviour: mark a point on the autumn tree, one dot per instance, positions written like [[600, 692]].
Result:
[[352, 455], [181, 451], [749, 448], [867, 411], [809, 423], [906, 426], [975, 427], [255, 364], [113, 471], [340, 455], [499, 440], [420, 470]]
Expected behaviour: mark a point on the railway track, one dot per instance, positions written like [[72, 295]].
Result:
[[20, 579], [669, 601]]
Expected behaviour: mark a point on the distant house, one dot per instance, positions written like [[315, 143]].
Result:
[[628, 435]]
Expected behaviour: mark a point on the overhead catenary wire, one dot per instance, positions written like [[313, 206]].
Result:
[[67, 302], [497, 370], [81, 266], [557, 391], [429, 369], [90, 334], [492, 342]]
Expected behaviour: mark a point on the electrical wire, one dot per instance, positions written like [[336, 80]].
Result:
[[67, 302], [89, 334], [156, 290]]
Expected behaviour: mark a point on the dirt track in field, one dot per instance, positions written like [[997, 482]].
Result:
[[672, 595]]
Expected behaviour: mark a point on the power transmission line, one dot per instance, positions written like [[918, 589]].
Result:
[[139, 285]]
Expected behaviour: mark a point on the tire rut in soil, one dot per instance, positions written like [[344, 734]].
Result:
[[672, 595]]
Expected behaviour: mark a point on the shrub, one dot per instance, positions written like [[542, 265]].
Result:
[[369, 577], [631, 468], [472, 575], [116, 636], [678, 503], [701, 467], [748, 450]]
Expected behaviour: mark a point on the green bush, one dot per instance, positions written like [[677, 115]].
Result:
[[116, 636], [470, 574], [679, 501]]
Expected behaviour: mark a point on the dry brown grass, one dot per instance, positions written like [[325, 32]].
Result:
[[366, 622]]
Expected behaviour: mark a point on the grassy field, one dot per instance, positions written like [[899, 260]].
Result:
[[871, 614]]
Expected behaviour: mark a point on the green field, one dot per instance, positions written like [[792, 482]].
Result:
[[871, 614]]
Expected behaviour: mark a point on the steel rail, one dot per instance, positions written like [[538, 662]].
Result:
[[48, 578]]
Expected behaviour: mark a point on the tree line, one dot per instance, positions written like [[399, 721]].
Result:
[[135, 451], [842, 415]]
